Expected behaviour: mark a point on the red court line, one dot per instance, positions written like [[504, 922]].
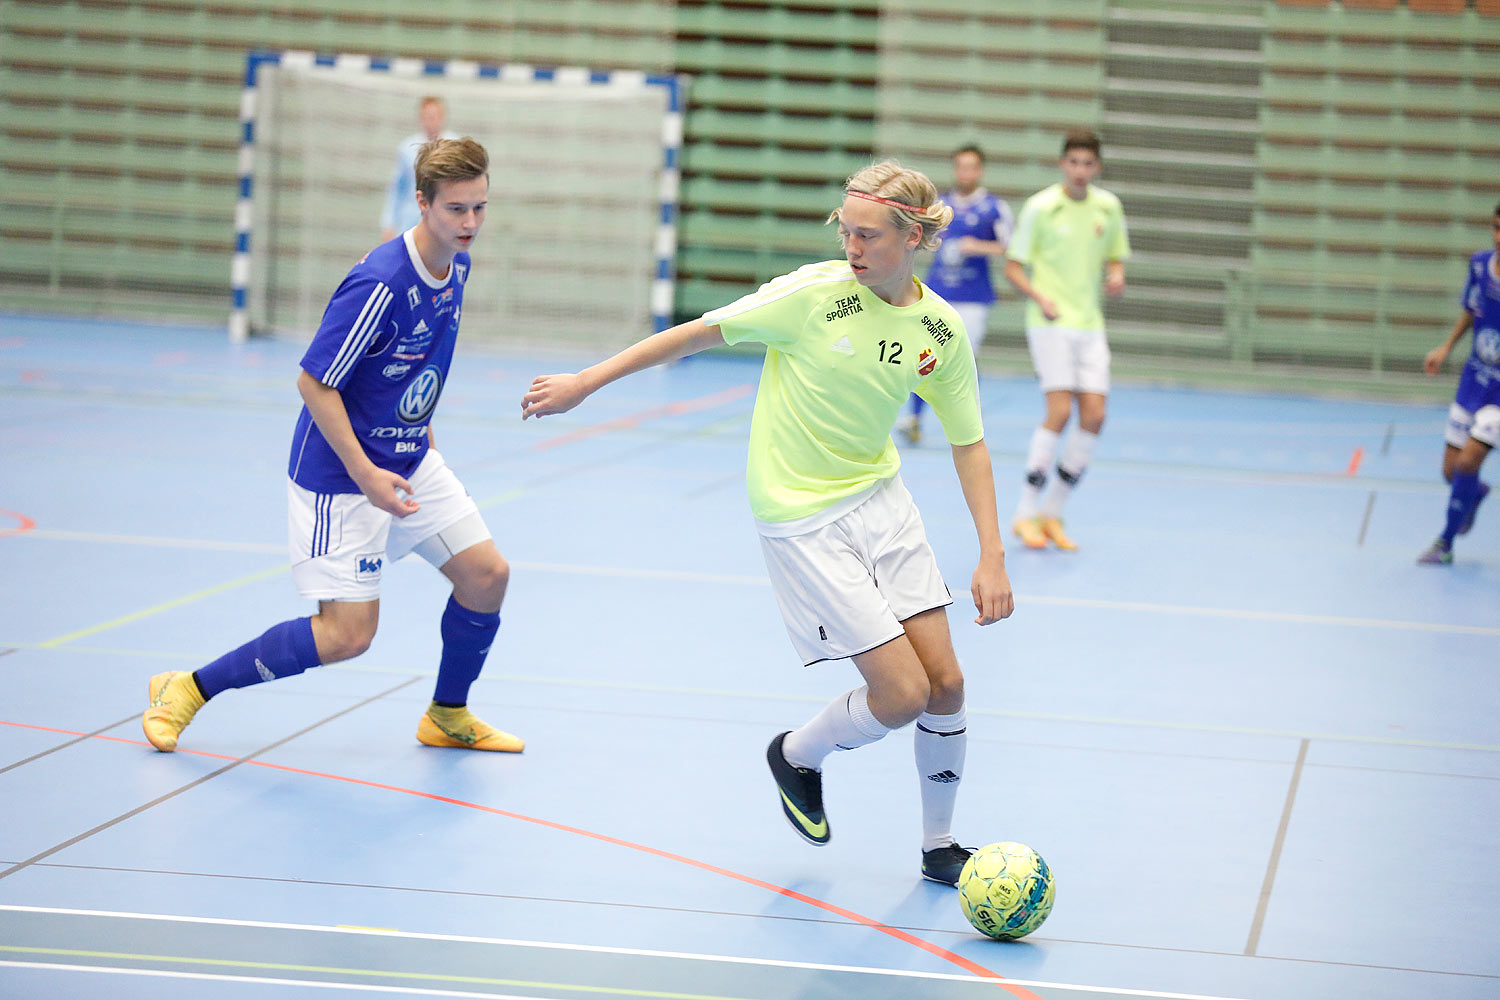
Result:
[[1354, 460], [963, 963], [26, 523], [634, 419]]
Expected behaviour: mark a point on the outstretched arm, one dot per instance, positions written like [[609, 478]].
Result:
[[991, 584], [560, 393], [1433, 363]]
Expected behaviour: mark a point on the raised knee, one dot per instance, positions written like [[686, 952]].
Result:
[[495, 577], [945, 691], [344, 642], [906, 700]]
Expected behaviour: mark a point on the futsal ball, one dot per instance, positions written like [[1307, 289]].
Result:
[[1006, 890]]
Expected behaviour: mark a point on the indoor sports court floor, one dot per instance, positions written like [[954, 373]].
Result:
[[1257, 744]]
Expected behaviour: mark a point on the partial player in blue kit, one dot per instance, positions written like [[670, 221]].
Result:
[[365, 485], [1474, 417], [960, 273]]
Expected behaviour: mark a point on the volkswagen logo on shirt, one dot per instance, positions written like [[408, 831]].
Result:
[[420, 398], [1487, 345]]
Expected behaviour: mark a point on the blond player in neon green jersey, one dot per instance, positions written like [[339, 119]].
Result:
[[847, 341], [1067, 236]]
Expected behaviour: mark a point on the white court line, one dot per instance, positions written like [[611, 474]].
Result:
[[741, 580], [597, 949], [268, 981]]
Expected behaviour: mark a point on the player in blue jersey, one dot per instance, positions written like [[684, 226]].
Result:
[[960, 273], [366, 485], [1474, 417], [400, 212]]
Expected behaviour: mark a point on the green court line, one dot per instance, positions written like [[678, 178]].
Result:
[[176, 602], [330, 970]]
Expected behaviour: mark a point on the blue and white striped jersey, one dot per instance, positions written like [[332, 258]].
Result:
[[385, 343]]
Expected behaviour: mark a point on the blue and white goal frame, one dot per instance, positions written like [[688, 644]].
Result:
[[665, 243]]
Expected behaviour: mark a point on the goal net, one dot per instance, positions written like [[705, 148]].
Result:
[[579, 235]]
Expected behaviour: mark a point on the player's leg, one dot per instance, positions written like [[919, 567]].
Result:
[[337, 544], [1050, 356], [940, 741], [1091, 357], [1467, 491], [833, 610], [1461, 421], [450, 534]]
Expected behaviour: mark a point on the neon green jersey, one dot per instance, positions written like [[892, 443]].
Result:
[[840, 361], [1064, 244]]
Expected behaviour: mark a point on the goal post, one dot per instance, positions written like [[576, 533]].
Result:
[[580, 230]]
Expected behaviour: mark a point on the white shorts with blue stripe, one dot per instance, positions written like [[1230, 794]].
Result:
[[340, 541]]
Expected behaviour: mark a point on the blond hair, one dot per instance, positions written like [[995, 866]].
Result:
[[915, 195], [449, 160]]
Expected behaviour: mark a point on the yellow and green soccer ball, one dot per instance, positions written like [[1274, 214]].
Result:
[[1006, 890]]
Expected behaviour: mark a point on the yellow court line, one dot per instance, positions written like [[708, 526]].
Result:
[[436, 977], [176, 602]]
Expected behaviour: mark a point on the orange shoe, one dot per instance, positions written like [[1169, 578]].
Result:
[[174, 702], [458, 727], [1052, 528], [1029, 530]]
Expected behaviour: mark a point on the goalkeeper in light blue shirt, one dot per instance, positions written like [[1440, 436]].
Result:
[[401, 212]]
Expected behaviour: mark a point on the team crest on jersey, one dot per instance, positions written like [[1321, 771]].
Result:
[[413, 297], [461, 271], [926, 361]]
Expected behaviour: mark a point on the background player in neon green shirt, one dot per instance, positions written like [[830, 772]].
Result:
[[1067, 235], [847, 342]]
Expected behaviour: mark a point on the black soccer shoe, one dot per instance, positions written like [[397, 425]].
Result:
[[943, 864], [801, 794]]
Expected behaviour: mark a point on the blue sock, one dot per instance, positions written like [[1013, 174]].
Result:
[[283, 650], [917, 404], [466, 642], [1461, 501]]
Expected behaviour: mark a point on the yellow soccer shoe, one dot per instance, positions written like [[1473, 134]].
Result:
[[458, 727], [175, 699]]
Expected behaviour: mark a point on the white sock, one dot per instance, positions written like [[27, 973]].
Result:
[[941, 742], [844, 723], [1038, 461], [1075, 459]]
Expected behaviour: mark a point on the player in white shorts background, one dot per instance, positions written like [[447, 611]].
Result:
[[847, 342], [1067, 236], [365, 484]]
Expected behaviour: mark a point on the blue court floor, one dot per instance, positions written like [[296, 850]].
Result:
[[1256, 743]]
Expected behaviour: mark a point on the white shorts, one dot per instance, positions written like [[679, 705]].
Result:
[[846, 587], [1069, 360], [340, 541], [1481, 425], [976, 317]]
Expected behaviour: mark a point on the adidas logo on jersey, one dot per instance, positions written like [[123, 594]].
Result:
[[420, 329], [843, 346]]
